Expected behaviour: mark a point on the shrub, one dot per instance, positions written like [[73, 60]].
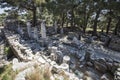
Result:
[[39, 74]]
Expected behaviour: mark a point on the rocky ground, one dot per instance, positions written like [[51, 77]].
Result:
[[2, 46], [89, 60]]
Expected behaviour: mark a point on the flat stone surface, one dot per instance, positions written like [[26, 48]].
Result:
[[21, 75], [41, 60], [22, 65]]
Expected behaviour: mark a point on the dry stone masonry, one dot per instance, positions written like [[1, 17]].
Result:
[[84, 59]]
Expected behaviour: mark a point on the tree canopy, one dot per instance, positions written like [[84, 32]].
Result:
[[97, 14]]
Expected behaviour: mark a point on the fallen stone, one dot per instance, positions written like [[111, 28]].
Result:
[[59, 57], [65, 67], [89, 75], [22, 75], [15, 61], [100, 67], [87, 56], [22, 65], [41, 60], [66, 59], [76, 41], [79, 74], [88, 40], [115, 43], [118, 69], [89, 64], [118, 73], [109, 65], [72, 66], [71, 35], [106, 77]]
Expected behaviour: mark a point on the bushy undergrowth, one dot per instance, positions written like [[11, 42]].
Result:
[[6, 73], [43, 74], [39, 74]]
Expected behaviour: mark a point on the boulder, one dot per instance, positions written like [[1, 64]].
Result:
[[89, 64], [109, 65], [114, 67], [79, 74], [52, 49], [87, 56], [117, 75], [65, 67], [118, 69], [75, 41], [88, 75], [89, 40], [15, 61], [100, 67], [59, 57], [115, 43], [106, 76], [71, 35], [53, 56], [73, 66], [66, 59]]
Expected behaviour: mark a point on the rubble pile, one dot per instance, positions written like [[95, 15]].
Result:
[[85, 59], [115, 43], [117, 73]]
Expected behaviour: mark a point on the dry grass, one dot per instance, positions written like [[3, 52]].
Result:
[[35, 75], [62, 73], [47, 73], [39, 74], [6, 73], [43, 74]]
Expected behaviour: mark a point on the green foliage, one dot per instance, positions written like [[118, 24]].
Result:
[[2, 17], [6, 73], [7, 50], [6, 77], [74, 12]]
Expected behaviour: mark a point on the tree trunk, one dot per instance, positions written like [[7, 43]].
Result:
[[108, 26], [67, 24], [63, 20], [72, 18], [85, 24], [95, 23], [116, 28], [34, 17], [102, 30], [84, 29]]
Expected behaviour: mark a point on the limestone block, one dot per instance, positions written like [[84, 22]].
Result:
[[100, 67], [66, 59], [64, 66], [105, 77], [15, 61]]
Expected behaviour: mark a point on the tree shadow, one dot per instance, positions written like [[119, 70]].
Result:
[[2, 69]]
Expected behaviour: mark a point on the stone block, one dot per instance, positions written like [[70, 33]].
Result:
[[100, 67]]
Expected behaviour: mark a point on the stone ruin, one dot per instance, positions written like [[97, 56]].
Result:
[[86, 58], [43, 30], [115, 43]]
